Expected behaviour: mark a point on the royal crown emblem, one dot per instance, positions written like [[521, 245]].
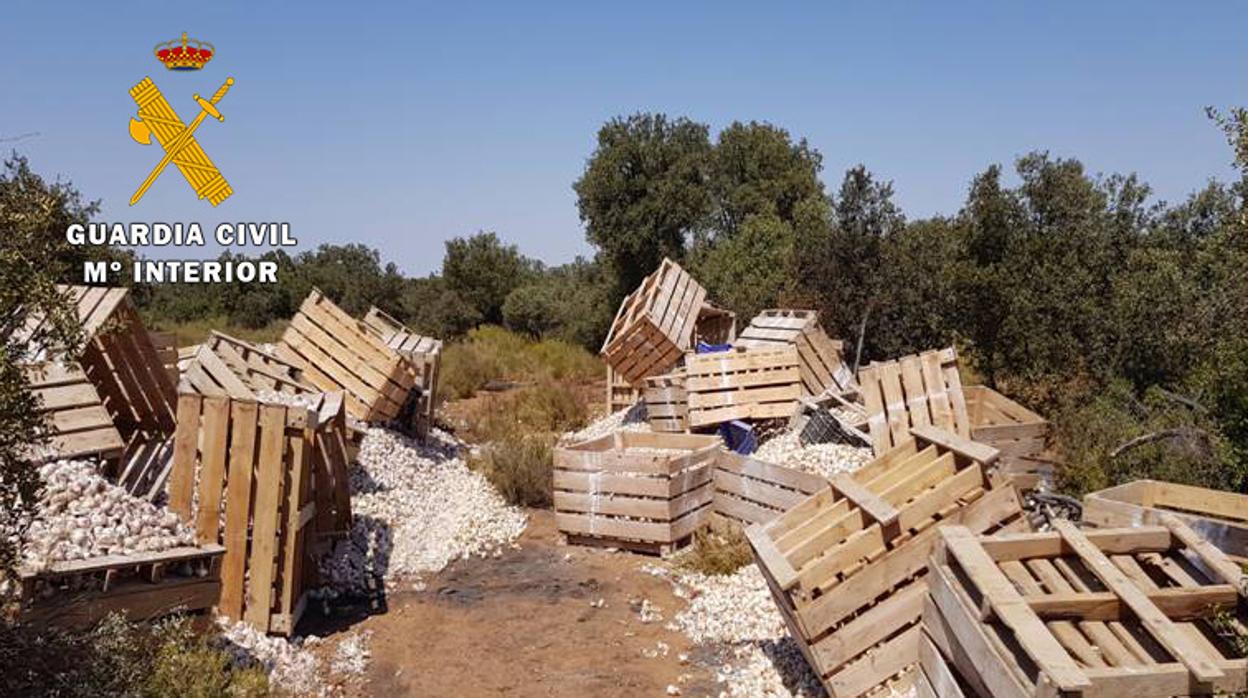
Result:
[[190, 54]]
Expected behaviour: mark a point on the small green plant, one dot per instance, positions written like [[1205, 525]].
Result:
[[491, 354], [718, 552], [520, 467]]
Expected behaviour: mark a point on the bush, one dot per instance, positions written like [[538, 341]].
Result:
[[118, 658], [722, 551], [520, 467], [490, 353]]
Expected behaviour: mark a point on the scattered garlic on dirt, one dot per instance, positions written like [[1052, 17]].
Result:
[[291, 668], [417, 507], [352, 655]]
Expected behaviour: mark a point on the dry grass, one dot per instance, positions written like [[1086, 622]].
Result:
[[494, 355], [718, 551], [520, 468], [196, 331]]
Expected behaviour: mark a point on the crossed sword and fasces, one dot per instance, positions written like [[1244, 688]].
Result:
[[181, 148]]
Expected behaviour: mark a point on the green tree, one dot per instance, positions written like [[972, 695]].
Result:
[[644, 192], [34, 257], [571, 302], [748, 271], [756, 170], [429, 307], [483, 270], [352, 275]]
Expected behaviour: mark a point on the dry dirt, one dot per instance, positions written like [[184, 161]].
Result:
[[524, 624]]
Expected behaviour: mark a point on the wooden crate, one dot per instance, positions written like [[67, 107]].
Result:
[[1017, 432], [667, 403], [621, 395], [224, 366], [1135, 612], [77, 594], [822, 366], [750, 491], [1219, 517], [246, 476], [78, 425], [654, 324], [118, 358], [742, 384], [645, 492], [425, 355], [166, 345], [338, 352], [715, 325], [846, 566], [915, 391]]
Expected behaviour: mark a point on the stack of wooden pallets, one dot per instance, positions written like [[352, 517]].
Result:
[[1219, 517], [913, 391], [248, 476], [224, 366], [667, 403], [141, 586], [820, 359], [78, 424], [742, 384], [1148, 611], [337, 352], [750, 491], [425, 356], [1017, 432], [846, 566], [654, 325], [644, 492]]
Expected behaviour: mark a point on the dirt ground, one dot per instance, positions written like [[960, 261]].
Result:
[[528, 623]]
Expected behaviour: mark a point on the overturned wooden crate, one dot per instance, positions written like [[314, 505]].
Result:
[[1018, 433], [425, 355], [654, 324], [78, 425], [248, 476], [77, 594], [645, 492], [914, 391], [750, 491], [337, 352], [667, 403], [118, 358], [1219, 517], [822, 366], [715, 325], [846, 566], [230, 367], [742, 384], [1148, 611]]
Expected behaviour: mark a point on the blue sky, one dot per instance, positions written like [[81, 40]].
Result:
[[402, 125]]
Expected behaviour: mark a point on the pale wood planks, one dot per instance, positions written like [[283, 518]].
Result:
[[654, 324], [742, 384], [918, 390]]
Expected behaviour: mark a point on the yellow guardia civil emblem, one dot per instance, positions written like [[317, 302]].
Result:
[[157, 118]]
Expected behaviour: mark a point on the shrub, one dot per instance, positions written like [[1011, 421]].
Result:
[[491, 353], [117, 658], [722, 551], [520, 467]]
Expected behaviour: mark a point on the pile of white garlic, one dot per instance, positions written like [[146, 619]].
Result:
[[81, 515]]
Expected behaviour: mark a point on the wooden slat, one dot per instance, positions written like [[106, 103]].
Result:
[[264, 516], [238, 508]]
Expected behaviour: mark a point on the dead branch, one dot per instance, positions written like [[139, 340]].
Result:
[[1161, 435]]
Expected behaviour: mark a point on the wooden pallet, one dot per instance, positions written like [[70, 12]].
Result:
[[667, 403], [742, 384], [145, 468], [846, 566], [644, 491], [77, 594], [621, 395], [916, 391], [715, 325], [78, 425], [254, 467], [750, 491], [224, 366], [1017, 432], [654, 324], [1135, 612], [1219, 517], [166, 344], [821, 364], [425, 355], [118, 358], [337, 352]]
